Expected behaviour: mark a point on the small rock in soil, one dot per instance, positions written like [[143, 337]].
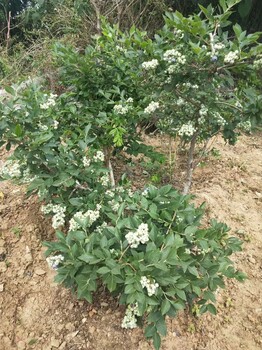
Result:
[[40, 272], [252, 260], [21, 345], [63, 346], [92, 329], [55, 343], [3, 267], [1, 287]]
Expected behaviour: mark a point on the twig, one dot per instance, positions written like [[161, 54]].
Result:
[[190, 164], [8, 30], [111, 174]]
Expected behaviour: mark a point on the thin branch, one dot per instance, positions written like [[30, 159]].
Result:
[[98, 14], [190, 164], [111, 174]]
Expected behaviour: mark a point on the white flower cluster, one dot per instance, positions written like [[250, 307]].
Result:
[[55, 124], [171, 70], [120, 109], [55, 261], [42, 193], [114, 205], [110, 193], [27, 177], [86, 162], [203, 111], [150, 64], [258, 63], [231, 57], [245, 126], [180, 101], [150, 285], [50, 102], [104, 180], [130, 320], [152, 107], [59, 211], [186, 130], [219, 46], [100, 228], [11, 168], [59, 218], [174, 56], [99, 156], [139, 236], [42, 127], [179, 34], [89, 217], [189, 85], [130, 100], [219, 119]]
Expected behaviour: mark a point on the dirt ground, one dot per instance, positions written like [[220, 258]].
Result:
[[35, 313]]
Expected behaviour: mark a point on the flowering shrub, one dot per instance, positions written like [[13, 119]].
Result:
[[147, 247], [152, 252]]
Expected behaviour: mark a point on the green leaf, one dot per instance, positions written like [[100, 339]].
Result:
[[212, 309], [161, 326], [129, 289], [18, 130], [10, 90], [165, 306], [181, 294], [156, 341], [193, 270], [103, 270]]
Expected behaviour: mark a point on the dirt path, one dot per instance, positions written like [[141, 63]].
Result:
[[37, 314]]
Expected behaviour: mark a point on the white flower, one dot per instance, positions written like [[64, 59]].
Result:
[[59, 218], [130, 100], [152, 107], [130, 320], [99, 156], [114, 205], [150, 285], [139, 236], [11, 168], [174, 56], [55, 261], [231, 57], [203, 111], [172, 69], [150, 64], [86, 162], [180, 101], [55, 125], [27, 177], [50, 102], [81, 219], [120, 109], [110, 193], [219, 46], [186, 130], [245, 126], [100, 228], [219, 119], [258, 63], [104, 180], [42, 126]]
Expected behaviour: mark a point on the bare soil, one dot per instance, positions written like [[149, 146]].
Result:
[[35, 313]]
